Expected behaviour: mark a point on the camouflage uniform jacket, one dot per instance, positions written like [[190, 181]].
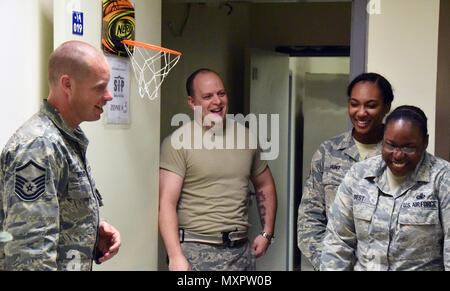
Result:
[[329, 165], [371, 228], [48, 199]]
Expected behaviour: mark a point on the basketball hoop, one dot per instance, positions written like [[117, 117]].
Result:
[[151, 64]]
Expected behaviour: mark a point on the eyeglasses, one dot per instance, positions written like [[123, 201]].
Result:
[[405, 150]]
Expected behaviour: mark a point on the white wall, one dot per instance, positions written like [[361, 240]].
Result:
[[27, 42], [124, 159], [403, 46]]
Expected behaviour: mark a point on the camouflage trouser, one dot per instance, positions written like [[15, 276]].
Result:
[[210, 257]]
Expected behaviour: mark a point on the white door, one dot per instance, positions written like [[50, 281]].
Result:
[[269, 94]]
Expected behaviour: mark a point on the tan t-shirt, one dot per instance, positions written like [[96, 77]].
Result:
[[395, 182], [364, 149], [215, 191]]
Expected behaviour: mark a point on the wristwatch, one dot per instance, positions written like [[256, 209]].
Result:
[[267, 236]]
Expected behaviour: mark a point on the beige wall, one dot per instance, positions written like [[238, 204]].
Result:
[[403, 46], [292, 24], [124, 159]]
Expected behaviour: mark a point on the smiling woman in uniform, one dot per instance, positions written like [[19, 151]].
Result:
[[392, 212], [369, 100]]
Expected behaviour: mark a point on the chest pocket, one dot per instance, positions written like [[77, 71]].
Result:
[[331, 181], [334, 170], [79, 186], [419, 217], [363, 213], [420, 233]]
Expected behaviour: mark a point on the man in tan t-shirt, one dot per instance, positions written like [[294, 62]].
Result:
[[203, 196]]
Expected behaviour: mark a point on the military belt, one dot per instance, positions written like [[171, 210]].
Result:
[[228, 239]]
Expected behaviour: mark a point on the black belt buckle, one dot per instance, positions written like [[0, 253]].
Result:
[[226, 239], [181, 233]]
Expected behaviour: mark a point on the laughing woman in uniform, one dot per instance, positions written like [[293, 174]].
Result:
[[392, 212], [370, 97]]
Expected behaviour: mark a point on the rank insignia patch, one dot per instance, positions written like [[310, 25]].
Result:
[[30, 181], [420, 196]]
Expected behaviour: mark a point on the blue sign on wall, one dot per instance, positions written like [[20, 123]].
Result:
[[77, 20]]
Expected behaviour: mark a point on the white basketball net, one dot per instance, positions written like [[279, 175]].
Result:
[[150, 68]]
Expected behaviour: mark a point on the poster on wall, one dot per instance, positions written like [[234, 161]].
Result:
[[118, 109], [118, 24]]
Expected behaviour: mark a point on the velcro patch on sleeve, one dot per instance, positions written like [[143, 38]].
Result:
[[30, 181]]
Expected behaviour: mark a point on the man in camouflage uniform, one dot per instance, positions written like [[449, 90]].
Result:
[[329, 165], [49, 202], [371, 228]]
